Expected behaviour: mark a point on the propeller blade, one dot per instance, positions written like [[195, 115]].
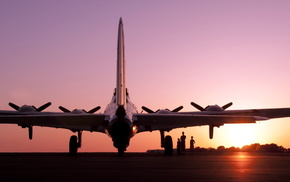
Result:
[[14, 106], [177, 109], [197, 106], [147, 109], [94, 110], [44, 106], [227, 106], [64, 109]]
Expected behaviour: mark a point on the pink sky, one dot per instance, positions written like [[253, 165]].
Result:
[[209, 52]]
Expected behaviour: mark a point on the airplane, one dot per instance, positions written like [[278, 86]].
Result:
[[121, 121]]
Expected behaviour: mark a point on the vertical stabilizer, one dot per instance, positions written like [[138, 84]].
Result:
[[121, 87]]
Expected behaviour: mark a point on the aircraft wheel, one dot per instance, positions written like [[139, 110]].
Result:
[[168, 146], [121, 151], [73, 145]]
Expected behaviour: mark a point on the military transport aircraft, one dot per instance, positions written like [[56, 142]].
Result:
[[121, 121]]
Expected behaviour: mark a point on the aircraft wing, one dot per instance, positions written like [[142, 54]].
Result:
[[88, 122], [155, 121], [150, 122], [269, 113]]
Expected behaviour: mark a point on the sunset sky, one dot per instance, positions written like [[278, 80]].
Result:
[[205, 51]]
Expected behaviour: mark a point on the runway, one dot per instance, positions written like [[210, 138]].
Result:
[[237, 166]]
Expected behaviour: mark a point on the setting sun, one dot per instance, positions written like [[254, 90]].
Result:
[[206, 52], [241, 134]]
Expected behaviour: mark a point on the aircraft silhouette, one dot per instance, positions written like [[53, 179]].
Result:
[[121, 121]]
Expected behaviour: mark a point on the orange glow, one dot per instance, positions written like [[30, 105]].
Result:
[[241, 134], [208, 53]]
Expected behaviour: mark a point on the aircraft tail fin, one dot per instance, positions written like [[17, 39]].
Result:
[[121, 86]]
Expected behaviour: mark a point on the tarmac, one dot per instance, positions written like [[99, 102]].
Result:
[[237, 166]]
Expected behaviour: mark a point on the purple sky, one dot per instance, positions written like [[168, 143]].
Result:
[[209, 52]]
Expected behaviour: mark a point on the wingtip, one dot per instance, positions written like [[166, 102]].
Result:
[[120, 20]]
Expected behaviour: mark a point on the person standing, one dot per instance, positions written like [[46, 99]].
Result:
[[192, 142], [182, 138], [178, 147]]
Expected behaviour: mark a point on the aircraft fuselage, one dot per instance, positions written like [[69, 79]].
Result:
[[121, 127]]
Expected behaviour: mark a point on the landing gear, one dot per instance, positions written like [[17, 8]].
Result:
[[30, 132], [121, 151], [162, 138], [75, 143], [168, 145]]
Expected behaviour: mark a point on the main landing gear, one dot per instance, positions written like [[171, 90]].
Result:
[[75, 142], [166, 143], [168, 146]]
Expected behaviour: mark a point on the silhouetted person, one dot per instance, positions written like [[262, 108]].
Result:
[[182, 138], [192, 142], [178, 146]]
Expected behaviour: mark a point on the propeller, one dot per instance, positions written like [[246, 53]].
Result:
[[30, 108], [197, 106], [41, 108], [151, 111], [64, 109], [204, 109], [90, 111], [94, 110], [177, 109], [147, 109], [227, 105], [44, 106], [14, 106], [212, 108]]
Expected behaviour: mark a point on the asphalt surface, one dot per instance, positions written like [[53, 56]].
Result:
[[144, 167]]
